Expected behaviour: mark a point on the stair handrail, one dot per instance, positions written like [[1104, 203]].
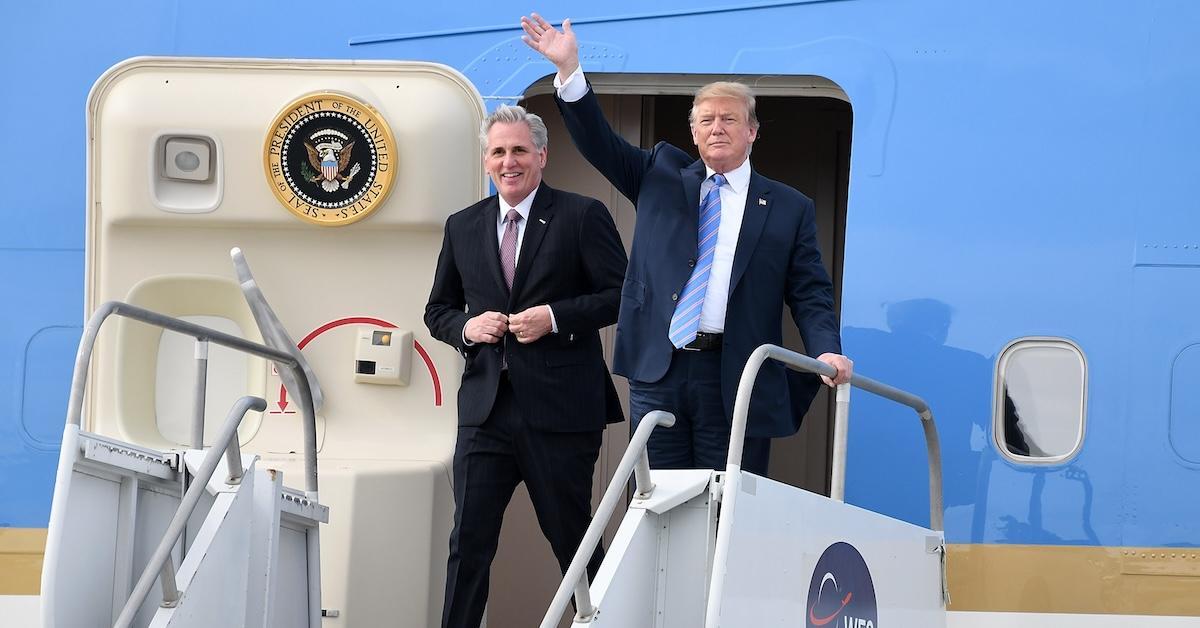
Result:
[[634, 462], [273, 332], [160, 563], [283, 359], [729, 490]]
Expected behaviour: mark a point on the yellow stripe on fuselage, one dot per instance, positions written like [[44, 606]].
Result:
[[1074, 579], [21, 551], [995, 578]]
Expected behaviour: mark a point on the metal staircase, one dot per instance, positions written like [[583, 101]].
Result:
[[140, 537], [730, 549]]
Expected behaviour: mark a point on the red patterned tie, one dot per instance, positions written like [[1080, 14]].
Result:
[[508, 247]]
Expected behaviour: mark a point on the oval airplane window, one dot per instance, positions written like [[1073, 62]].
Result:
[[1040, 398]]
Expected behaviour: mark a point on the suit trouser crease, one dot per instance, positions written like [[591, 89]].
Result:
[[489, 462]]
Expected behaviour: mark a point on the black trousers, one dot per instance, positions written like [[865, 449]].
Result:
[[489, 462]]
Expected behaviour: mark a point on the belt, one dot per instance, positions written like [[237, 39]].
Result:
[[705, 342]]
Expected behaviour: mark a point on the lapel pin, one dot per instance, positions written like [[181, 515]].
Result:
[[762, 201], [542, 220]]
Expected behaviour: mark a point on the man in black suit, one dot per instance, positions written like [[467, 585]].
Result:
[[718, 250], [525, 281]]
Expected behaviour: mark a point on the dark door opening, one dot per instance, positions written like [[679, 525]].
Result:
[[804, 141]]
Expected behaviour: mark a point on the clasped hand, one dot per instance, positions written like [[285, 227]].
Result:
[[528, 326]]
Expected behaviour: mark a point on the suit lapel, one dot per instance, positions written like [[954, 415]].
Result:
[[535, 230], [754, 217], [692, 176], [487, 230]]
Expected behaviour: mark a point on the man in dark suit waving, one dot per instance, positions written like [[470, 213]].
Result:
[[718, 249], [525, 281]]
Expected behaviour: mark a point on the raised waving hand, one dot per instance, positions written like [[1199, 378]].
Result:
[[559, 47]]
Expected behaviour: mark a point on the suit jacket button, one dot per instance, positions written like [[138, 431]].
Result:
[[691, 263], [674, 296]]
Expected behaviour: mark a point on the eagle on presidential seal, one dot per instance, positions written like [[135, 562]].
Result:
[[330, 157]]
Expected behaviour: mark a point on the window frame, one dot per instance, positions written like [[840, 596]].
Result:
[[998, 382]]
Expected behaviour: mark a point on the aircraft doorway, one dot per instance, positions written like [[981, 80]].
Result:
[[804, 141]]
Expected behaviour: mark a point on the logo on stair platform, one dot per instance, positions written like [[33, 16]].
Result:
[[841, 594], [330, 159]]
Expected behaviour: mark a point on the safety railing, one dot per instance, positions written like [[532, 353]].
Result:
[[741, 408], [161, 567], [633, 462], [203, 335]]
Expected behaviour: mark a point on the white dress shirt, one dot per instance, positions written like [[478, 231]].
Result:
[[733, 207]]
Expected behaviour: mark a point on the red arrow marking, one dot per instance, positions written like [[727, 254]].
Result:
[[363, 320]]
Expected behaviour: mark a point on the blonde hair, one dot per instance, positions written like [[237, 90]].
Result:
[[726, 89]]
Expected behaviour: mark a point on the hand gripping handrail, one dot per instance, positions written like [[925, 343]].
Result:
[[160, 560], [737, 437], [633, 462], [287, 361]]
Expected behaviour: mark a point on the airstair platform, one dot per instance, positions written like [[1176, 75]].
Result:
[[193, 537], [730, 549]]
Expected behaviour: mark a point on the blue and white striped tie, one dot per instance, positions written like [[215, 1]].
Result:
[[686, 320]]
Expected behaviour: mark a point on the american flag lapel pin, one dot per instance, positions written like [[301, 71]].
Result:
[[762, 201]]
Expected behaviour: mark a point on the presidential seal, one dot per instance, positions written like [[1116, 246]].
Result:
[[329, 159]]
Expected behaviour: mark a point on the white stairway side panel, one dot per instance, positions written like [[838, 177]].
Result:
[[778, 537], [262, 565], [291, 580], [84, 573], [154, 511], [212, 578], [625, 585], [683, 563]]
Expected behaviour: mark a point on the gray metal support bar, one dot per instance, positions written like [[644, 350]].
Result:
[[641, 476], [170, 590], [583, 601], [841, 431], [233, 455], [201, 390]]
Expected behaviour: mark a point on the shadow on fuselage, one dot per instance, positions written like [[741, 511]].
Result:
[[887, 468], [987, 498]]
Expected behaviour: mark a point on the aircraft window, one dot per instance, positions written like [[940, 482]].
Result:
[[175, 381], [1041, 392]]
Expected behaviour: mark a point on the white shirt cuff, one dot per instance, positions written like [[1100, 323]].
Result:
[[573, 88], [553, 322], [466, 343]]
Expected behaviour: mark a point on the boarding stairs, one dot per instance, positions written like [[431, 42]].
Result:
[[730, 549], [176, 539]]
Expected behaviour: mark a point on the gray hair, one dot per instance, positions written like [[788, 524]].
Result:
[[726, 89], [511, 114]]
